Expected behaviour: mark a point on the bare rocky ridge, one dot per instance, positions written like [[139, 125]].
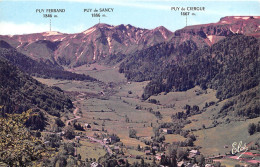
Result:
[[208, 34], [104, 40]]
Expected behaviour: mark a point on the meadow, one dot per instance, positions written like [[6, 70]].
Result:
[[114, 106]]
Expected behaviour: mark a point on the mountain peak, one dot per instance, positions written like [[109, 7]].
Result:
[[103, 25], [232, 19], [49, 33], [97, 26], [161, 28], [127, 27]]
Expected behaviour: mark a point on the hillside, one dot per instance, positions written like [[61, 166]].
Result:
[[20, 92], [35, 68], [229, 66], [148, 64]]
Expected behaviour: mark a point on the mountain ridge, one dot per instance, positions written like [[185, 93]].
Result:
[[213, 32], [90, 45], [37, 68], [104, 40]]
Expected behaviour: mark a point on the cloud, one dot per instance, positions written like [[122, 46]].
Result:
[[149, 4], [128, 3], [11, 28], [134, 1], [74, 28], [154, 4]]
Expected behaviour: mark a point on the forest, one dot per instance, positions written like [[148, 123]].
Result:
[[20, 92], [230, 66]]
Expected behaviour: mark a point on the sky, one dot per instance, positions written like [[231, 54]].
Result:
[[20, 17]]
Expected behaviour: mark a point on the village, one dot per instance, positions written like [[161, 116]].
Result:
[[155, 152], [93, 136]]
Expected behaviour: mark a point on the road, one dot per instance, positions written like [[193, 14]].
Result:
[[75, 115], [109, 151], [76, 109]]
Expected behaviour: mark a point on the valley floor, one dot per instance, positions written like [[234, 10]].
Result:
[[114, 106]]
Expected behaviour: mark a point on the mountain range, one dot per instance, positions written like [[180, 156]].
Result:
[[103, 40], [223, 55], [203, 81]]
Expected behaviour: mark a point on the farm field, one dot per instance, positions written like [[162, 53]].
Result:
[[213, 140], [230, 163], [114, 106], [90, 149]]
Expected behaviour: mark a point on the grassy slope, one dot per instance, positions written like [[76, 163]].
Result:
[[213, 140], [102, 73], [122, 103], [90, 150]]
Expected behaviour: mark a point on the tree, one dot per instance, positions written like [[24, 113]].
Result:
[[181, 154], [36, 121], [79, 157], [60, 161], [154, 162], [142, 162], [127, 163], [251, 128], [59, 122], [217, 164], [69, 132], [71, 161], [17, 146], [54, 141], [258, 127], [69, 148], [132, 133], [138, 147], [201, 160], [189, 142]]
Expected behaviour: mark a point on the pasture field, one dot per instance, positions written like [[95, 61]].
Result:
[[213, 140], [114, 106], [169, 138], [90, 149], [100, 72], [230, 163]]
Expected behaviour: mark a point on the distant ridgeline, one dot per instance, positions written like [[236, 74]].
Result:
[[230, 66], [40, 69]]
